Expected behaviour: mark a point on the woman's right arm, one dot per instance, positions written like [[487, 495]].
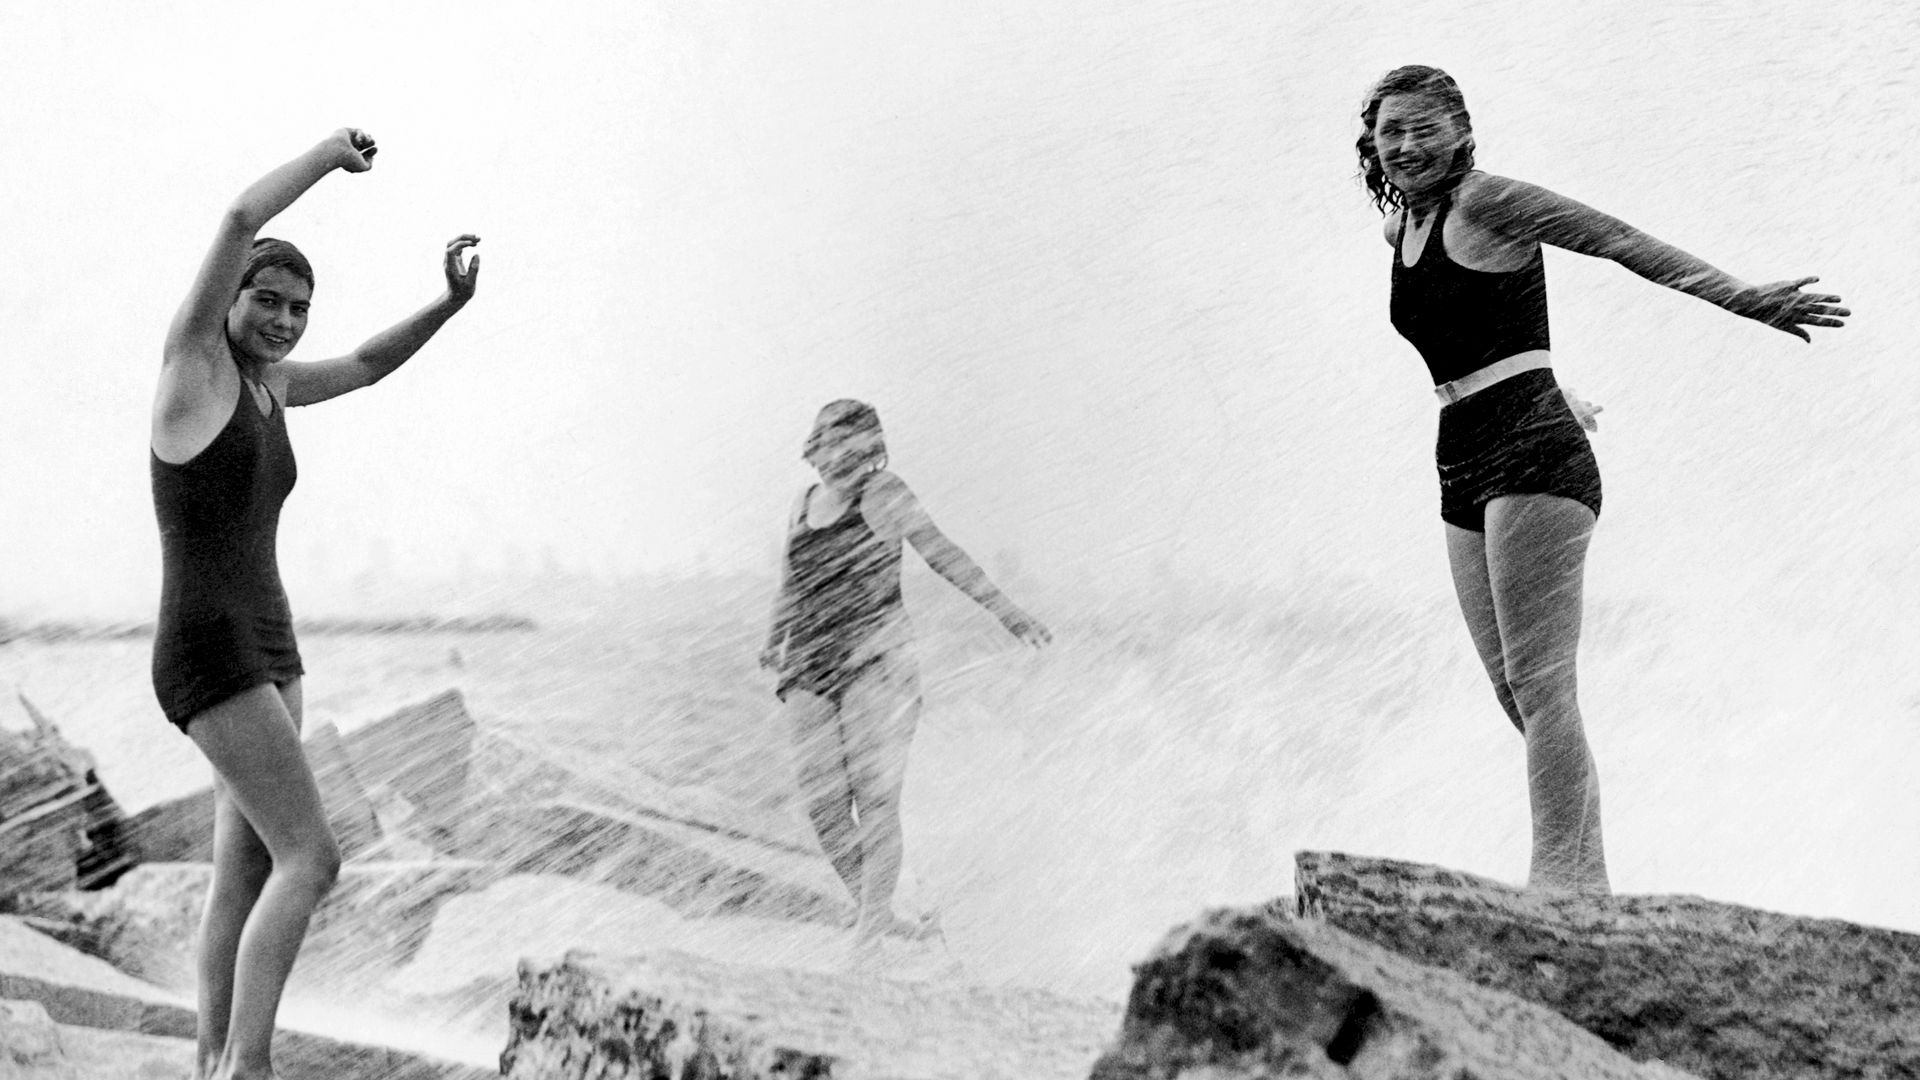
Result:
[[202, 316], [777, 624]]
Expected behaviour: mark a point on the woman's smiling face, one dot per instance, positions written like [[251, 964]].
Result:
[[1417, 139], [268, 317]]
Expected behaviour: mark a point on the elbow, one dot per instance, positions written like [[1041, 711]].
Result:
[[369, 368], [243, 219]]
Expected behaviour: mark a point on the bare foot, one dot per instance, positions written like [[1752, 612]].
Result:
[[1591, 890], [924, 928]]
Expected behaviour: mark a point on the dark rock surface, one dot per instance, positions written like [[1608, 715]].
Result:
[[1722, 990], [1247, 995], [668, 1014], [59, 827]]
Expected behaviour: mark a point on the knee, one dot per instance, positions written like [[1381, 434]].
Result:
[[315, 865], [1542, 690], [879, 811], [820, 781], [239, 878]]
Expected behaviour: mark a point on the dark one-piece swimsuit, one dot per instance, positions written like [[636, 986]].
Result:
[[224, 623], [1518, 436], [844, 583]]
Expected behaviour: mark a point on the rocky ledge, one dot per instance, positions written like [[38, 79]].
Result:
[[1376, 968], [1387, 969], [673, 1015], [1721, 990]]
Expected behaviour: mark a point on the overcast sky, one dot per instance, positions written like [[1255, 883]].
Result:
[[1103, 269]]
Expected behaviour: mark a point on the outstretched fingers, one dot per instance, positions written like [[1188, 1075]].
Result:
[[1785, 307], [1819, 310]]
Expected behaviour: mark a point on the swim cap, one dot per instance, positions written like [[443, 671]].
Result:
[[268, 252]]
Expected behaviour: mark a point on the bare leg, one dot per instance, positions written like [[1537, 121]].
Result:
[[822, 754], [240, 868], [1467, 555], [254, 745], [1534, 557], [879, 714]]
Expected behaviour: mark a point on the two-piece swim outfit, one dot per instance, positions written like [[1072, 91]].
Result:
[[1513, 435], [224, 622], [844, 584]]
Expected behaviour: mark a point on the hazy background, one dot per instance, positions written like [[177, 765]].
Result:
[[1107, 276], [1103, 269]]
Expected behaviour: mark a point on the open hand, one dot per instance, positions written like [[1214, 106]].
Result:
[[353, 149], [461, 278], [1783, 306], [1583, 410]]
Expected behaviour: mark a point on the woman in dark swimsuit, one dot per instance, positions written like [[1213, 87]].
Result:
[[840, 641], [225, 665], [1520, 492]]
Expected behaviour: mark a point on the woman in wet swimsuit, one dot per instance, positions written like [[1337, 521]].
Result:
[[840, 642], [225, 665], [1519, 489]]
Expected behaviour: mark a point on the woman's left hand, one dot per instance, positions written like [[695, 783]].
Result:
[[1583, 410], [461, 279], [1783, 306], [1025, 627]]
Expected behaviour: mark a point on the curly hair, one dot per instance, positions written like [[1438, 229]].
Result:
[[1411, 79]]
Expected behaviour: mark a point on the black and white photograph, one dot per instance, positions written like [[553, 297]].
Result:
[[850, 540]]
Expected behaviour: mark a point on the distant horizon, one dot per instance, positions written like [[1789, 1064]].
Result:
[[1106, 273]]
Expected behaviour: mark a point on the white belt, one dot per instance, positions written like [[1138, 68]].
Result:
[[1499, 371]]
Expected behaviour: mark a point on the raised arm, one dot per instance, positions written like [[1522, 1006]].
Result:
[[201, 319], [1528, 212], [892, 509], [378, 357]]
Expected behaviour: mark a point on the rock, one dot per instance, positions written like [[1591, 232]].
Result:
[[509, 770], [1723, 990], [415, 764], [1250, 995], [76, 990], [478, 935], [30, 1046], [59, 828], [40, 846], [373, 921], [395, 786], [181, 830], [465, 975], [99, 1054], [349, 811], [667, 1013], [399, 788], [178, 830], [697, 871]]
